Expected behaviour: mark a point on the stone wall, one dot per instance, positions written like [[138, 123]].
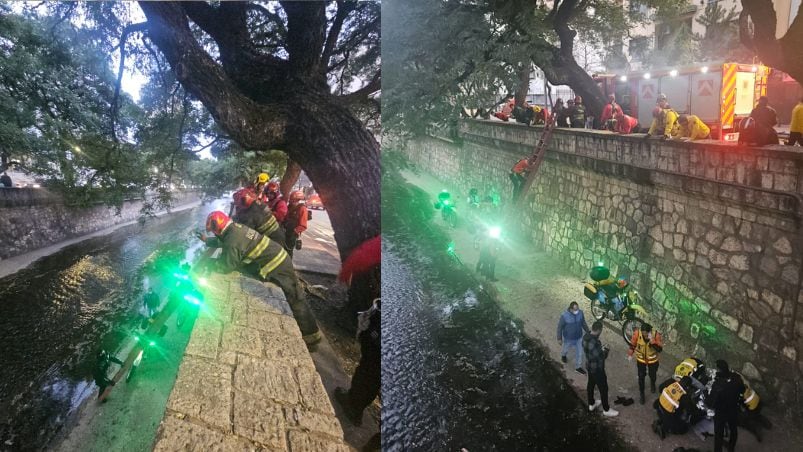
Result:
[[247, 381], [34, 218], [710, 233]]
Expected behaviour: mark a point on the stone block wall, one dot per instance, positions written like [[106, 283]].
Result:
[[35, 218], [709, 233]]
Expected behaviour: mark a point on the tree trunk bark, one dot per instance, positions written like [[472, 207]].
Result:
[[289, 178], [523, 86], [564, 72], [341, 159]]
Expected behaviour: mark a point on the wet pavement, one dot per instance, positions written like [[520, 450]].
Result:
[[458, 371], [57, 313]]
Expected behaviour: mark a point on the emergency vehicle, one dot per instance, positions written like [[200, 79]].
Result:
[[720, 94]]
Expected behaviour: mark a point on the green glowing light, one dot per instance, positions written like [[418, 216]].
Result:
[[192, 299], [202, 281], [152, 343], [709, 330], [450, 248], [446, 202], [136, 338], [495, 232], [600, 264]]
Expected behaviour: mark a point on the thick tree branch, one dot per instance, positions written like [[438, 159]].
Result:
[[132, 28], [265, 125], [362, 94], [306, 29], [344, 8], [784, 54]]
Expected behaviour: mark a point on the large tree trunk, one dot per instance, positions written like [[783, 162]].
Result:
[[785, 54], [524, 84], [291, 109], [565, 71], [341, 159]]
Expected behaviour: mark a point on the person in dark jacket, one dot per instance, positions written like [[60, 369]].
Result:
[[571, 326], [5, 180], [365, 261], [595, 357], [100, 374], [151, 302], [766, 118], [251, 212], [246, 249], [577, 113], [725, 398]]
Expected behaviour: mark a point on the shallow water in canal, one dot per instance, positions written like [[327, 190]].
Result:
[[458, 371], [57, 313]]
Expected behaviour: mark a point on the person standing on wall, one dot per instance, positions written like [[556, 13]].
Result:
[[796, 127], [577, 113], [646, 345], [595, 357], [571, 326]]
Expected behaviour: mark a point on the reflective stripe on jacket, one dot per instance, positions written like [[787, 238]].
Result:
[[750, 397], [670, 397], [243, 246], [645, 352]]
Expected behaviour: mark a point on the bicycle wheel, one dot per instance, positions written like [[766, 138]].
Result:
[[597, 311], [629, 326]]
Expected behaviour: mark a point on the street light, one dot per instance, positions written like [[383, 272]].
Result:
[[704, 69], [673, 73], [754, 68], [623, 78], [647, 76]]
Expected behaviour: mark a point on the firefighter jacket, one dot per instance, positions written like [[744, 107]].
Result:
[[258, 217], [296, 221], [646, 351], [243, 246], [610, 111], [521, 166], [689, 367], [625, 124], [750, 398], [694, 129], [671, 397], [279, 208], [665, 124], [797, 119]]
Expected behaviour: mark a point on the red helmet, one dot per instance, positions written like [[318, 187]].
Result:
[[217, 222], [245, 199], [272, 186], [297, 196]]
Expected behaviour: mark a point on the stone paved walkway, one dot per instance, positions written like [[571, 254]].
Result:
[[247, 381]]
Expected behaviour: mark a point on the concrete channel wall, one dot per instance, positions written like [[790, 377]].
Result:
[[247, 381], [708, 232], [33, 218]]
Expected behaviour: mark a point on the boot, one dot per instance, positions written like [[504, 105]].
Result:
[[342, 397]]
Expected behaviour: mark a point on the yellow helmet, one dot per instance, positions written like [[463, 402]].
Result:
[[263, 178]]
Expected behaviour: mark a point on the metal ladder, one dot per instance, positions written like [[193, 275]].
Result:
[[538, 155]]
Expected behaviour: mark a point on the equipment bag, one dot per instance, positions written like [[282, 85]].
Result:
[[590, 291]]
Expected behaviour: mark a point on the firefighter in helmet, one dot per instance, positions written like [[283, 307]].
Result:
[[276, 202], [247, 250], [256, 215], [674, 405], [296, 221]]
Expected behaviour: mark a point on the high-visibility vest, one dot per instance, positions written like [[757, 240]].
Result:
[[670, 397], [644, 352], [750, 397], [686, 368]]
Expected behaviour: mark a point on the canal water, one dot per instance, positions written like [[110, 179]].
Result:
[[457, 371], [57, 313]]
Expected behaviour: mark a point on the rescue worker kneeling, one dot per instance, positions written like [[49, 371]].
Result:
[[674, 407], [246, 249], [256, 215], [750, 416]]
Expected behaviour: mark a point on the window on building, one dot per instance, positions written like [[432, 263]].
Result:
[[639, 47]]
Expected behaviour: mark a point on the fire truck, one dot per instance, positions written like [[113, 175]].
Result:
[[720, 94]]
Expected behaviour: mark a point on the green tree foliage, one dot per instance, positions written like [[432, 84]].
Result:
[[721, 38], [56, 93]]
